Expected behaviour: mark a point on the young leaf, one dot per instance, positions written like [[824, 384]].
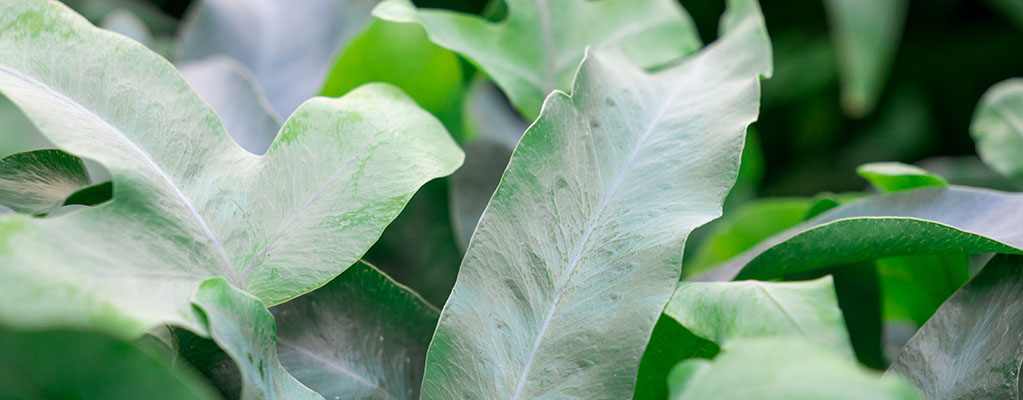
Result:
[[997, 127], [894, 176], [245, 330], [38, 182], [189, 203], [782, 368], [865, 34], [537, 48], [231, 90], [60, 364], [579, 249], [360, 336], [288, 46], [926, 221], [973, 345], [721, 312]]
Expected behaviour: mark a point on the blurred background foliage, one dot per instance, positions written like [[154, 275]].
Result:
[[856, 81]]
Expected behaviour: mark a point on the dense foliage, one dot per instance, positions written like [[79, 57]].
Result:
[[376, 199]]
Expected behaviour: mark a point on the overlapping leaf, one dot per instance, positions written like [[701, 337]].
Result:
[[924, 221], [189, 203], [537, 48], [360, 336], [579, 249], [702, 313], [973, 345]]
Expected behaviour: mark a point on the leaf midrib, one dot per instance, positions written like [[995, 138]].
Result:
[[573, 264], [194, 213]]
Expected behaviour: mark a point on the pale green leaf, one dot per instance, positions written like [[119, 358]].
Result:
[[60, 364], [579, 249], [38, 182], [997, 127], [288, 45], [923, 221], [972, 347], [782, 369], [865, 34], [537, 48], [721, 312], [361, 336], [189, 204], [245, 330], [894, 176]]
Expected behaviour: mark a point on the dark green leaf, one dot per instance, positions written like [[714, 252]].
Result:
[[60, 364], [361, 336], [925, 221]]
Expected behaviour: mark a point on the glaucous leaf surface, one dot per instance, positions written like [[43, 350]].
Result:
[[537, 48], [782, 369], [721, 312], [865, 34], [233, 93], [245, 330], [288, 45], [496, 128], [924, 221], [61, 364], [894, 176], [361, 336], [579, 249], [39, 181], [972, 347], [189, 203], [997, 127], [418, 248]]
